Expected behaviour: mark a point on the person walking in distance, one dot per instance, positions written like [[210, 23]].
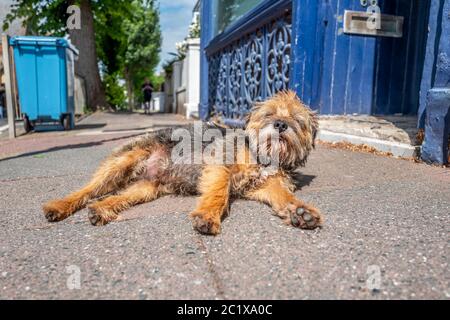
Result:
[[147, 90]]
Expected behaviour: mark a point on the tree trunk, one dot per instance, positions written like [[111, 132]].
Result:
[[87, 64], [129, 90]]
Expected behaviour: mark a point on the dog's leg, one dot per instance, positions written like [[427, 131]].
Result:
[[106, 210], [112, 175], [214, 187], [276, 192]]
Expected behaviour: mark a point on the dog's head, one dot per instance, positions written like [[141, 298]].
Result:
[[284, 128]]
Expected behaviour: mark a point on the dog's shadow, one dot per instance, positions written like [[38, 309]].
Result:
[[301, 180]]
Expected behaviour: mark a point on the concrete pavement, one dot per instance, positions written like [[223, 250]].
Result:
[[385, 236]]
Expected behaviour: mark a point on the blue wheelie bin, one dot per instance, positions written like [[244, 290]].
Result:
[[45, 79]]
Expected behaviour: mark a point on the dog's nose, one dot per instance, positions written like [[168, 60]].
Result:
[[281, 126]]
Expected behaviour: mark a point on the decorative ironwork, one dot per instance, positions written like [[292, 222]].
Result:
[[212, 78], [250, 69], [235, 100], [253, 68], [278, 56], [222, 87]]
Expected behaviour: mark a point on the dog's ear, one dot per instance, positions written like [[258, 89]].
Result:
[[314, 123], [246, 120]]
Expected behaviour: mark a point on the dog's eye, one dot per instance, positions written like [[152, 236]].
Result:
[[268, 114]]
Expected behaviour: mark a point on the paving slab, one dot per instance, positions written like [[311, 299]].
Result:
[[385, 236], [381, 214]]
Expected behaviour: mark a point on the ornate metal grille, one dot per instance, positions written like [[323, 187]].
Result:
[[250, 69]]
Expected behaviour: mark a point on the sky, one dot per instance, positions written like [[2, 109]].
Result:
[[176, 16]]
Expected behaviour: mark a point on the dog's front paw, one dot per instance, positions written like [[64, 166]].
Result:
[[99, 217], [57, 210], [305, 217], [204, 224]]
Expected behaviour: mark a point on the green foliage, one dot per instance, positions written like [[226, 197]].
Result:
[[115, 92], [129, 43], [143, 43], [195, 28], [49, 17], [157, 81], [40, 17], [168, 65], [111, 38]]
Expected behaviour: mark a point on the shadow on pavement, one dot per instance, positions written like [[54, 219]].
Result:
[[89, 126], [157, 126], [70, 146], [302, 180]]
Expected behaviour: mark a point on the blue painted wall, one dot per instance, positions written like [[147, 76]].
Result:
[[435, 107], [430, 59]]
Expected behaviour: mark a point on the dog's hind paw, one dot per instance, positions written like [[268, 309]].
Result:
[[306, 217]]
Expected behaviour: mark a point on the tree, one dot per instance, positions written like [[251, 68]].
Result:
[[128, 43], [111, 38], [49, 18], [142, 47], [87, 65], [123, 37]]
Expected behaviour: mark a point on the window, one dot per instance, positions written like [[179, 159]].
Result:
[[228, 11]]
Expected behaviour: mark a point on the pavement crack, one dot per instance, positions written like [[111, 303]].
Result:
[[217, 281]]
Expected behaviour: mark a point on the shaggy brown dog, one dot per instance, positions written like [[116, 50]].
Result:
[[146, 169]]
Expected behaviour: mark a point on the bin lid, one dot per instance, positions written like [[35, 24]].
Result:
[[43, 41]]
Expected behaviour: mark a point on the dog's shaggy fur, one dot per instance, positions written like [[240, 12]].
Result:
[[144, 170]]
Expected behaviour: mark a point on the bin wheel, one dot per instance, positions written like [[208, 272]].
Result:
[[27, 124], [66, 122]]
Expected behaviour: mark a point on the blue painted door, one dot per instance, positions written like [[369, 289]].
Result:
[[348, 64], [399, 64], [369, 75]]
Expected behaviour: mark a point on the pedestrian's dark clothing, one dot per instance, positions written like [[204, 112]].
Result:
[[147, 90]]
